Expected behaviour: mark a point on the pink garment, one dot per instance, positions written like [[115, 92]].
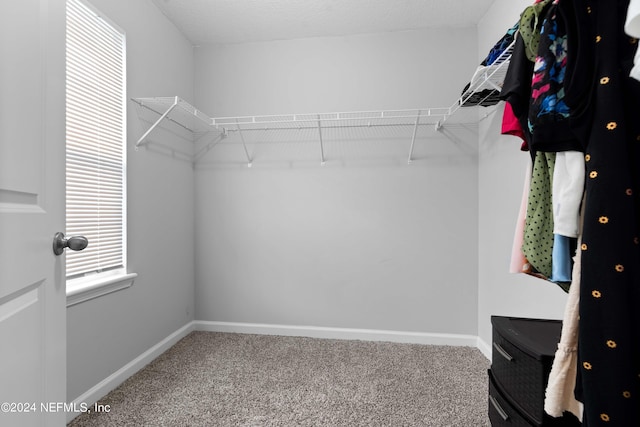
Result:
[[511, 125], [518, 261]]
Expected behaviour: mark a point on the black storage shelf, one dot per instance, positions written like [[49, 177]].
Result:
[[523, 351]]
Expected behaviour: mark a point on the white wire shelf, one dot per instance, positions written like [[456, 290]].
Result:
[[490, 77], [183, 114], [324, 122], [352, 118]]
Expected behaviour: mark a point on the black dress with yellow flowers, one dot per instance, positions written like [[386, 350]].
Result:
[[609, 335]]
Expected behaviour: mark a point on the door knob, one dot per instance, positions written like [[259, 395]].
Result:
[[75, 243]]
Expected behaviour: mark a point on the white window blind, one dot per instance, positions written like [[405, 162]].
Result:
[[95, 154]]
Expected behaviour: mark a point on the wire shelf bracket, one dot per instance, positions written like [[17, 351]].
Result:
[[177, 111], [413, 138], [321, 145], [244, 145]]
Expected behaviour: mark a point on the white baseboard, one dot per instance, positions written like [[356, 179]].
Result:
[[339, 333], [484, 348], [101, 389]]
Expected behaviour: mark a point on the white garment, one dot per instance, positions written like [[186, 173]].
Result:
[[560, 395], [632, 28], [632, 23], [635, 71], [568, 186]]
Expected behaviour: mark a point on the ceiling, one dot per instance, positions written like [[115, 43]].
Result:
[[242, 21]]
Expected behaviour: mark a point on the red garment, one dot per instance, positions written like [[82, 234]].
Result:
[[511, 125]]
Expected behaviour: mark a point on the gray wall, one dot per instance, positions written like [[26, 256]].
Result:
[[365, 241], [106, 333], [501, 177]]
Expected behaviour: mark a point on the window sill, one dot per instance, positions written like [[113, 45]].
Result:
[[83, 289]]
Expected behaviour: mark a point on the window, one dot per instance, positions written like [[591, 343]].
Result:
[[96, 135]]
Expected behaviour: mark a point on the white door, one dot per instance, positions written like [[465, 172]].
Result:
[[32, 283]]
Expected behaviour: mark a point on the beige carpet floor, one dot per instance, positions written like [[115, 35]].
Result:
[[221, 379]]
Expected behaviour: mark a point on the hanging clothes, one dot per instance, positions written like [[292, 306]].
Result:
[[609, 331], [602, 122], [516, 88], [530, 23], [568, 185], [518, 261], [498, 49], [485, 93], [567, 189], [548, 111], [512, 126], [538, 231]]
